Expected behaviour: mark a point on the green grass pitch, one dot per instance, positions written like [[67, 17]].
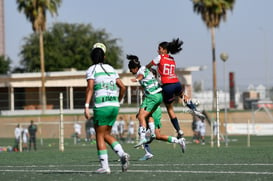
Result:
[[199, 162]]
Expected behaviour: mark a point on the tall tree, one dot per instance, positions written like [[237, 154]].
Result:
[[212, 13], [35, 11], [4, 64], [68, 46]]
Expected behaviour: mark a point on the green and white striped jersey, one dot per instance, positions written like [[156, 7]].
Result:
[[105, 88], [149, 82]]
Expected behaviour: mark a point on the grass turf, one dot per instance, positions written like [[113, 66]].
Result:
[[77, 162]]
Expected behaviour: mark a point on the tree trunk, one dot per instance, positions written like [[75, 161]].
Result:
[[43, 90], [213, 68]]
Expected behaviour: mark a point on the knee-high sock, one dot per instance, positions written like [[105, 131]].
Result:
[[116, 146], [152, 127], [103, 157], [175, 124], [141, 132], [147, 149]]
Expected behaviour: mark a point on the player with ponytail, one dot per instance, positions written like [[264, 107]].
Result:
[[171, 86]]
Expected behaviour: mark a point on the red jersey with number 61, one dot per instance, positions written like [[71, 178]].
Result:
[[166, 68]]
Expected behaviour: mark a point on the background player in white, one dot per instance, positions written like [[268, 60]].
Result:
[[77, 131], [90, 130], [131, 130], [121, 128], [202, 128], [114, 130], [17, 134], [25, 137]]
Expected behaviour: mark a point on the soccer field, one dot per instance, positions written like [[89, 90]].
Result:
[[199, 162]]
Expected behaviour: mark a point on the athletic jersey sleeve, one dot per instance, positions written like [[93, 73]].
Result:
[[141, 71], [156, 60], [90, 73], [116, 75]]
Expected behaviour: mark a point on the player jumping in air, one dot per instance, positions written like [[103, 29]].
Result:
[[170, 83]]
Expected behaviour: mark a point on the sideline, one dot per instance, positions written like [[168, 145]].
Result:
[[23, 168]]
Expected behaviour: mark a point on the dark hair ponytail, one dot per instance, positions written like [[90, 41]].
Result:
[[97, 55], [172, 47], [134, 62]]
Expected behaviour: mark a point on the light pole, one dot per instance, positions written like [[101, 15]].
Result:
[[266, 63], [224, 57]]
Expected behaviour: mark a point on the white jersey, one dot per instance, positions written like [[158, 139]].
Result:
[[198, 125], [105, 88], [202, 128], [121, 126], [115, 128], [25, 135], [77, 128], [131, 127], [17, 133], [92, 131], [149, 82]]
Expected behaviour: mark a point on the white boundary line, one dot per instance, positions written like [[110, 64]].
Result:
[[143, 165], [206, 172], [6, 168], [142, 171]]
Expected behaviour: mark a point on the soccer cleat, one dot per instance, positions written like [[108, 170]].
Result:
[[150, 139], [141, 142], [180, 134], [124, 160], [103, 171], [146, 157], [182, 143], [192, 107]]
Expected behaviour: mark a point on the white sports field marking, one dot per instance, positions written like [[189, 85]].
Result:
[[144, 165], [206, 172], [143, 171], [208, 164], [31, 168]]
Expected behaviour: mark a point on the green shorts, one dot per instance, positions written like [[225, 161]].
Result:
[[151, 101], [157, 117], [105, 115]]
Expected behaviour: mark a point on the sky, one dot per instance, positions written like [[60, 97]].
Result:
[[246, 36]]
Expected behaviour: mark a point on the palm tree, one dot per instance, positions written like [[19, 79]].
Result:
[[212, 13], [35, 11]]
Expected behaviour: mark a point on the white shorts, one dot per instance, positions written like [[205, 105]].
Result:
[[131, 131], [92, 131], [24, 139], [202, 132]]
